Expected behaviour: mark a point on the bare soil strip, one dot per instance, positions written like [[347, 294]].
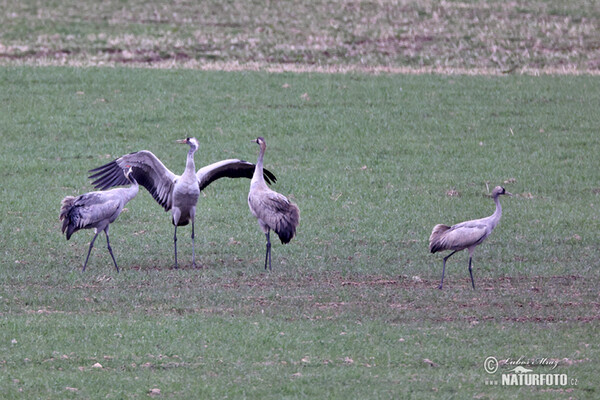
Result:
[[291, 68]]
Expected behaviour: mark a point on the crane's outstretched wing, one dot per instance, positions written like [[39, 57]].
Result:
[[231, 168], [147, 170]]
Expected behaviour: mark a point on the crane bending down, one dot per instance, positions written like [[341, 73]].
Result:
[[466, 235], [273, 210], [96, 210], [173, 192]]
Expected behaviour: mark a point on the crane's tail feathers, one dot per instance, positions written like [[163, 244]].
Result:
[[435, 240], [71, 230], [286, 226], [65, 215]]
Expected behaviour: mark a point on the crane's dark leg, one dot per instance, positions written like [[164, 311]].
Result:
[[268, 253], [471, 273], [193, 249], [89, 251], [110, 250], [175, 245], [444, 269]]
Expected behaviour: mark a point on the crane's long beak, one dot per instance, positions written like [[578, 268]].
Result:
[[508, 193], [182, 141]]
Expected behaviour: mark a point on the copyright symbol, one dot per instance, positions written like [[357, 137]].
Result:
[[490, 365]]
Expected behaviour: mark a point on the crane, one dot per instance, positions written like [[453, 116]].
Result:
[[177, 193], [272, 210], [466, 235], [96, 210]]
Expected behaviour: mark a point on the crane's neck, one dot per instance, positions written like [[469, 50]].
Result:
[[190, 166], [495, 217], [258, 178], [132, 190]]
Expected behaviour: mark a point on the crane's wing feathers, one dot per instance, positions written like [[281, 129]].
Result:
[[147, 170], [231, 168], [108, 175], [87, 211], [463, 235], [90, 199], [152, 174], [276, 211], [91, 213]]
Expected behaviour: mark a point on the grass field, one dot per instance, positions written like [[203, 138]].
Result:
[[351, 308]]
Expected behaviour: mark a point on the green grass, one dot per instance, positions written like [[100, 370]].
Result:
[[351, 308]]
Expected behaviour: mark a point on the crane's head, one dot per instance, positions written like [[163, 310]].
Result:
[[499, 190], [261, 142], [128, 171], [193, 142]]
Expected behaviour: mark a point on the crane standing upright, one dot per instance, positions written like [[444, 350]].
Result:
[[272, 210]]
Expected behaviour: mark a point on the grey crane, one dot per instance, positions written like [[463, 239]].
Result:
[[96, 210], [173, 192], [272, 210], [466, 235]]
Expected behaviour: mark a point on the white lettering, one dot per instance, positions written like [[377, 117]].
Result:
[[546, 379], [509, 380], [563, 379], [534, 379]]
